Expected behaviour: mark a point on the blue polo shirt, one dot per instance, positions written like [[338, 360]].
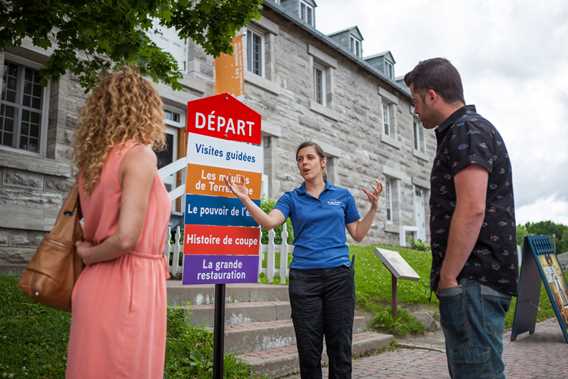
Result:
[[319, 225]]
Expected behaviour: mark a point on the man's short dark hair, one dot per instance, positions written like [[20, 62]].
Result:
[[437, 74]]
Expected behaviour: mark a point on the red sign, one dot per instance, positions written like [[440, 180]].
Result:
[[230, 240], [223, 116]]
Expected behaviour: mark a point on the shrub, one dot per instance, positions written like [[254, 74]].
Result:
[[420, 245], [402, 325]]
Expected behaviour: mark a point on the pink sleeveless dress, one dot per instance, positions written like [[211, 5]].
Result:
[[118, 325]]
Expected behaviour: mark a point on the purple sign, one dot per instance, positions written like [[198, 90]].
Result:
[[218, 269]]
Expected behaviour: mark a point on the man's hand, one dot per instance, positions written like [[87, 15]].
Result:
[[446, 282]]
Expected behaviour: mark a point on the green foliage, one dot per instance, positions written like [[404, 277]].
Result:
[[550, 228], [402, 325], [267, 205], [33, 341], [420, 245], [373, 287], [189, 352], [92, 36], [522, 232], [373, 280], [33, 338]]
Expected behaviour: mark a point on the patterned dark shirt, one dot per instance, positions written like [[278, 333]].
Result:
[[465, 139]]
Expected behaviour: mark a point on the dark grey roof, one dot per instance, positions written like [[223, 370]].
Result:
[[382, 54], [329, 42], [356, 28]]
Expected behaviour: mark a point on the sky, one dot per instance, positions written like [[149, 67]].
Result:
[[513, 59]]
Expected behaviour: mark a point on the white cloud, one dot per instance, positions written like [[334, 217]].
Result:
[[554, 210], [514, 64]]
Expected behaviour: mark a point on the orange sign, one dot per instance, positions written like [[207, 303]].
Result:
[[229, 70], [207, 180]]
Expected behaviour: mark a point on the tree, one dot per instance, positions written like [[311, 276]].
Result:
[[559, 231], [88, 37]]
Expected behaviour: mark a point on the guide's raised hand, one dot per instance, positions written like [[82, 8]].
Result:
[[238, 188], [373, 196]]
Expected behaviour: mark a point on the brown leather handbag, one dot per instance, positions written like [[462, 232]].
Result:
[[53, 270]]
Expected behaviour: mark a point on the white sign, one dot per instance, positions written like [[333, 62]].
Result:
[[396, 264], [211, 151]]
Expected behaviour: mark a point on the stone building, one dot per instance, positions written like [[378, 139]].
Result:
[[306, 85]]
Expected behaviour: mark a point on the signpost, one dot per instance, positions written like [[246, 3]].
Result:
[[221, 240], [229, 73], [399, 269], [540, 264]]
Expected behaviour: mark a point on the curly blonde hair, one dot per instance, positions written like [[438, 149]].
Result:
[[123, 107]]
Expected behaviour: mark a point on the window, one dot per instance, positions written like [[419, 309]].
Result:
[[319, 84], [418, 136], [307, 13], [172, 117], [330, 169], [388, 118], [322, 88], [389, 70], [169, 40], [322, 84], [356, 47], [389, 184], [255, 52], [21, 108]]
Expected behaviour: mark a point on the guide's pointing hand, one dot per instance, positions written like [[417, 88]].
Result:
[[238, 189]]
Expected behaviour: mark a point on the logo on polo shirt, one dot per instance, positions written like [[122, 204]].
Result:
[[334, 202]]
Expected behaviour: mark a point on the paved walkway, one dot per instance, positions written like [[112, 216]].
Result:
[[543, 355]]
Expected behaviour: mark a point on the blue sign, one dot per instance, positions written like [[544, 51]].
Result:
[[214, 210]]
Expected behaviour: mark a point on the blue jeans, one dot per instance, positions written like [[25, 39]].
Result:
[[472, 317]]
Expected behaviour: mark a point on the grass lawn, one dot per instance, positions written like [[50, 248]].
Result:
[[33, 341], [373, 284]]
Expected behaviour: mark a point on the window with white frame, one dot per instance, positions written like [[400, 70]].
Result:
[[388, 118], [418, 136], [169, 40], [356, 47], [389, 194], [389, 70], [322, 83], [22, 107], [307, 13], [255, 43]]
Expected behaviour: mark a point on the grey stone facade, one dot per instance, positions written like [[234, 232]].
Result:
[[349, 126]]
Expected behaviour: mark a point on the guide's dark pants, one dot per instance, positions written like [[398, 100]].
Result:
[[323, 303], [472, 317]]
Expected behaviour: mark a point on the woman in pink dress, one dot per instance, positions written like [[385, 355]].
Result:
[[118, 325]]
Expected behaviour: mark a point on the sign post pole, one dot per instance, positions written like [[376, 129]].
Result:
[[394, 283], [221, 239], [399, 269], [219, 332]]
